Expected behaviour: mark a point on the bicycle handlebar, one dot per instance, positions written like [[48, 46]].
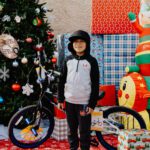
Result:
[[50, 71], [55, 72]]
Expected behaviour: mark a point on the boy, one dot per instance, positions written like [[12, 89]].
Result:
[[79, 86]]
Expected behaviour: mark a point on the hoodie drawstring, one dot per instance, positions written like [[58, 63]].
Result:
[[77, 66]]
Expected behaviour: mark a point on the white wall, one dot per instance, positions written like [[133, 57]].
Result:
[[69, 15]]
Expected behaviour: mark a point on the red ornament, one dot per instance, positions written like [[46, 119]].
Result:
[[16, 87], [39, 21], [29, 40], [48, 37], [39, 47], [50, 34], [54, 60]]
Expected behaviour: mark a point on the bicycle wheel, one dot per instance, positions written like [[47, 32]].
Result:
[[23, 129], [120, 117]]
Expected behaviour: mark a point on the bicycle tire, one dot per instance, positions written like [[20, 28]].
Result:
[[118, 109], [23, 112]]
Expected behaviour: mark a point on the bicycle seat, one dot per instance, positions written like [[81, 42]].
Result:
[[101, 94]]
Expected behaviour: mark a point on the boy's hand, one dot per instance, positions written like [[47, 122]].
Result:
[[89, 110], [131, 16], [86, 111], [60, 106]]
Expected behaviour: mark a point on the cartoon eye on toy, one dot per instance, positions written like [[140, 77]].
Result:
[[124, 86]]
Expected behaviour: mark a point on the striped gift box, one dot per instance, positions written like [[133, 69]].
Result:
[[60, 129], [119, 51], [96, 51]]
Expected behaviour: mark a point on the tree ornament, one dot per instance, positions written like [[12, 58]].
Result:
[[36, 61], [8, 46], [24, 60], [50, 34], [37, 22], [34, 22], [15, 64], [4, 73], [29, 40], [16, 87], [6, 18], [1, 100], [55, 54], [18, 19], [41, 74], [37, 10], [45, 9], [48, 37], [54, 60], [1, 6], [27, 89], [39, 47]]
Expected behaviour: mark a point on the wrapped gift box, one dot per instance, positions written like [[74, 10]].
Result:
[[111, 16], [59, 113], [135, 139], [119, 52], [109, 98], [60, 129]]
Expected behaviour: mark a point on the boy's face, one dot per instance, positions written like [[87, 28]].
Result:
[[79, 45]]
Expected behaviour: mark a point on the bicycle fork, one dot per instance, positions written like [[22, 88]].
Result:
[[36, 124]]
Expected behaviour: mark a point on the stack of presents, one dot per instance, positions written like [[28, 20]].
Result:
[[134, 139], [113, 44]]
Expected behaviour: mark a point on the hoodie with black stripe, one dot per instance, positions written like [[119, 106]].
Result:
[[79, 83]]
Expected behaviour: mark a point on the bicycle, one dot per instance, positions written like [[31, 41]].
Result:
[[32, 125]]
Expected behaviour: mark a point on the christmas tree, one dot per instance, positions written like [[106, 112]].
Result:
[[26, 40]]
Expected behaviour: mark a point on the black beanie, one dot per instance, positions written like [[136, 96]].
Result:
[[80, 34]]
